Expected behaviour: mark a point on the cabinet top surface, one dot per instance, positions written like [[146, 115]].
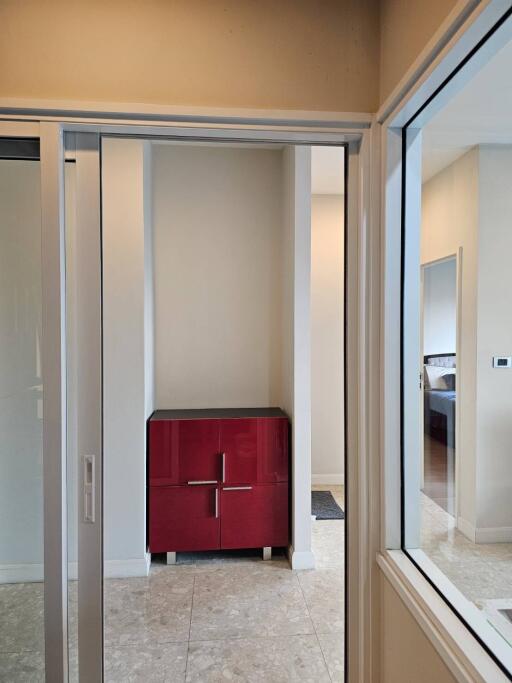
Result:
[[216, 413]]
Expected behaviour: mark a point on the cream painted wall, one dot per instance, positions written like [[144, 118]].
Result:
[[407, 656], [291, 54], [126, 345], [406, 26], [327, 268], [494, 338], [217, 215], [450, 221], [296, 347]]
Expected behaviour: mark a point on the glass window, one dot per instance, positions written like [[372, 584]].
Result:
[[457, 343]]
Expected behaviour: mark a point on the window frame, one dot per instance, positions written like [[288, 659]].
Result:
[[462, 45]]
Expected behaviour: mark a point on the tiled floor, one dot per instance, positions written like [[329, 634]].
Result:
[[206, 620], [482, 572]]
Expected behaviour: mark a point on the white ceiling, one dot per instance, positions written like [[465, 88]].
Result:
[[327, 170], [481, 113]]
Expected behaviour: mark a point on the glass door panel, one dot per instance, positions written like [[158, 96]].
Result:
[[22, 640], [72, 417]]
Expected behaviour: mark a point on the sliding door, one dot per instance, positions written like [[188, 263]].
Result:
[[84, 404], [33, 606]]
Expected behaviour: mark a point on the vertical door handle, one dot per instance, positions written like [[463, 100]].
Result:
[[89, 488], [223, 467], [216, 503]]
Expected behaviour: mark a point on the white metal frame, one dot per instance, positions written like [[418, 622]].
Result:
[[54, 401], [462, 32], [362, 248]]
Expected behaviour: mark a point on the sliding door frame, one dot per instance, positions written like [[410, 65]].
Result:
[[361, 345], [53, 356]]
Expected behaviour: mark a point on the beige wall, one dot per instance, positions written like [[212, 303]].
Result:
[[406, 26], [494, 338], [327, 432], [291, 54], [407, 656], [217, 221]]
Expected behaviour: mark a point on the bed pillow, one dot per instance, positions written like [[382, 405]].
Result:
[[441, 379], [449, 379]]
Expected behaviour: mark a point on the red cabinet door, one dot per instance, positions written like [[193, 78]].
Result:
[[183, 450], [255, 450], [273, 439], [184, 518], [254, 516]]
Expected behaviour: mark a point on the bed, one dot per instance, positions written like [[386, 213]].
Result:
[[440, 397]]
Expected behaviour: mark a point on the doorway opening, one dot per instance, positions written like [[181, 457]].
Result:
[[439, 359], [211, 277]]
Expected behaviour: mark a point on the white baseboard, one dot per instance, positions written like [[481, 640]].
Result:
[[499, 534], [21, 573], [123, 569], [303, 559], [328, 479], [113, 569]]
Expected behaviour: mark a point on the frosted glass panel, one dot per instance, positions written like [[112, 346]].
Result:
[[21, 424]]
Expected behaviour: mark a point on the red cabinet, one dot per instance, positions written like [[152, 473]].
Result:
[[258, 514], [254, 450], [183, 451], [218, 479], [184, 518]]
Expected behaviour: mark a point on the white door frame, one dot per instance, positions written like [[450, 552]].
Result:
[[308, 128]]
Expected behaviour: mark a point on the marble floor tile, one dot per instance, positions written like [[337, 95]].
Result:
[[22, 617], [249, 581], [155, 609], [265, 607], [231, 617], [481, 571], [146, 663], [323, 591], [333, 650], [258, 660], [22, 667], [328, 542]]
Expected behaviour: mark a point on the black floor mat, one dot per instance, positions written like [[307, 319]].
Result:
[[323, 506]]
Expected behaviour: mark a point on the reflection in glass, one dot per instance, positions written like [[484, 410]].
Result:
[[458, 480]]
